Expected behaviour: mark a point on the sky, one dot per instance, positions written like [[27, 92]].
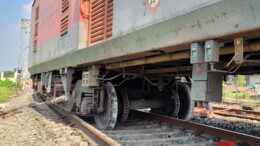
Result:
[[11, 12]]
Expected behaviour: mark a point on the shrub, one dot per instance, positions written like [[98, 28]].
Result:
[[5, 93], [241, 80], [8, 75], [7, 83]]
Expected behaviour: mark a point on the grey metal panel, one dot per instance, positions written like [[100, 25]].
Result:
[[206, 86], [83, 35], [200, 72], [56, 47], [219, 19], [132, 15]]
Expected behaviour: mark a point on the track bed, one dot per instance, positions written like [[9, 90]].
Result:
[[152, 133], [156, 130]]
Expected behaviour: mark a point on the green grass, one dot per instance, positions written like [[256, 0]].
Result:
[[7, 83], [5, 93], [241, 95]]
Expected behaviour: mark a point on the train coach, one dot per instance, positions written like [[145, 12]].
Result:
[[108, 57]]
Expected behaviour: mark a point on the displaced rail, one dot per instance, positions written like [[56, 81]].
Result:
[[156, 129], [245, 114], [10, 111]]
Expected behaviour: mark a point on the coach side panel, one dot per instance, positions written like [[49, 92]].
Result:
[[57, 29]]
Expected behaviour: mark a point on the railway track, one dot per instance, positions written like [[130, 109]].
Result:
[[245, 114], [238, 102], [134, 133], [156, 130], [141, 132]]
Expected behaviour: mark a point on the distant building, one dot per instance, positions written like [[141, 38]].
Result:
[[230, 79], [254, 79]]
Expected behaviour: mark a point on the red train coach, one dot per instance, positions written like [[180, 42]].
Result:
[[108, 57]]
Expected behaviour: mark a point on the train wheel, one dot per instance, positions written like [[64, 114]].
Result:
[[107, 119], [172, 102], [123, 105], [186, 103]]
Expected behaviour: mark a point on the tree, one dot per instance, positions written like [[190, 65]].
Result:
[[241, 80], [8, 74]]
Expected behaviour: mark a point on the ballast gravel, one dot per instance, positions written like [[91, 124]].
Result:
[[37, 125], [232, 124]]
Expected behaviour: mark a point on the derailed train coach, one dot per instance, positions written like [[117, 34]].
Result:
[[107, 57]]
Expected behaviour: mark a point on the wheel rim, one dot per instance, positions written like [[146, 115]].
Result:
[[186, 103], [107, 119]]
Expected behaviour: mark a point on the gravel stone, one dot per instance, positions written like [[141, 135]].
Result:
[[36, 125], [232, 124]]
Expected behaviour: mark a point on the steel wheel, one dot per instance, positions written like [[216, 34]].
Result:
[[123, 106], [172, 101], [186, 103], [107, 119]]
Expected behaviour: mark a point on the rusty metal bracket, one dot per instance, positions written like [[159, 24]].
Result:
[[239, 50], [240, 47]]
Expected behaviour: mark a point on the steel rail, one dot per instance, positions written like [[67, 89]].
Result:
[[213, 131], [237, 110], [13, 110], [252, 115], [238, 102], [97, 136], [102, 139], [237, 116]]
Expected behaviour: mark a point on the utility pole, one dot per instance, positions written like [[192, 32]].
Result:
[[23, 50]]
